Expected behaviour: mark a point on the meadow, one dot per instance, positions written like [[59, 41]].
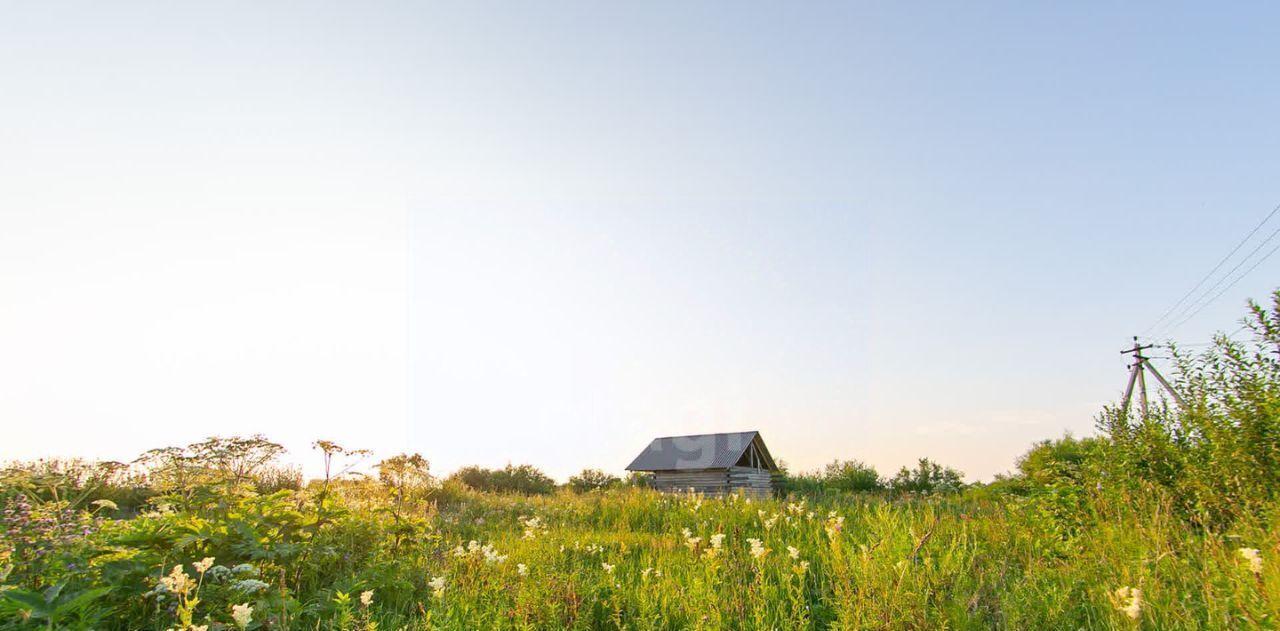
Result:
[[1166, 521]]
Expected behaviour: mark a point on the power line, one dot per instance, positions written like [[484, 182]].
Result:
[[1216, 296], [1215, 269], [1233, 283]]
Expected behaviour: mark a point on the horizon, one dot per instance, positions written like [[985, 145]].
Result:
[[498, 234]]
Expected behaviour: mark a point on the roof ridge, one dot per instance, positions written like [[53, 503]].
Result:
[[748, 431]]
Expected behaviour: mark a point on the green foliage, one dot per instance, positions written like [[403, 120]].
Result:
[[638, 479], [77, 483], [207, 472], [848, 476], [593, 480], [1219, 456], [927, 477], [56, 608], [851, 476], [1168, 521], [522, 479], [1064, 459]]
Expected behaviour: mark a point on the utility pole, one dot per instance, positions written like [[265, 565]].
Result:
[[1137, 375]]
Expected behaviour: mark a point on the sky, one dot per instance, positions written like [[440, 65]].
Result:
[[511, 232]]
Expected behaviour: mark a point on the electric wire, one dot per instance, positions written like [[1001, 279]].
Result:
[[1214, 270], [1233, 283]]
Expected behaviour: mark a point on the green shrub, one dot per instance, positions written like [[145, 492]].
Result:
[[593, 480], [1219, 456], [927, 477], [521, 479]]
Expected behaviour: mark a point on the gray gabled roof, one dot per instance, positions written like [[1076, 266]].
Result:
[[702, 451]]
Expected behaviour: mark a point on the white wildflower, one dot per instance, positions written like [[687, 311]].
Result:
[[835, 524], [177, 581], [608, 569], [249, 586], [242, 614], [203, 565], [437, 586], [522, 569], [366, 598], [1128, 600], [1254, 557], [793, 552]]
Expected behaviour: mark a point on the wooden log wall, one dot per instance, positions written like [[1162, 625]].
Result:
[[715, 482]]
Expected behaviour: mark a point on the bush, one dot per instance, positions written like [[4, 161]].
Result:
[[593, 480], [1219, 456], [522, 479], [851, 475], [639, 479], [927, 477], [848, 476]]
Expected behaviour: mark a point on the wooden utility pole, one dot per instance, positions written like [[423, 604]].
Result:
[[1137, 375]]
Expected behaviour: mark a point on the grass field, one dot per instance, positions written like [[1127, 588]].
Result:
[[1167, 520], [634, 559]]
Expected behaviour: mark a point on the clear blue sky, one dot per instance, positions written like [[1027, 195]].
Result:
[[545, 233]]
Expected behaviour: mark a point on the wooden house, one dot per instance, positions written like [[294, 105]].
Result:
[[711, 464]]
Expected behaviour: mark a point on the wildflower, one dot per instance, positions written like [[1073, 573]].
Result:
[[532, 526], [107, 504], [835, 524], [793, 552], [769, 523], [491, 555], [717, 540], [1128, 600], [242, 614], [366, 598], [249, 586], [646, 572], [437, 586], [522, 569], [177, 581], [608, 569], [203, 565], [757, 549], [199, 627], [802, 567], [1254, 557], [459, 551]]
